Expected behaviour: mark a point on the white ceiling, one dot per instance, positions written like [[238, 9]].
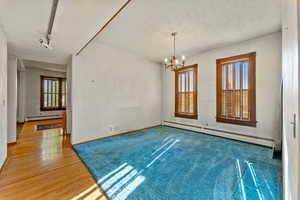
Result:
[[143, 28], [25, 22], [45, 66]]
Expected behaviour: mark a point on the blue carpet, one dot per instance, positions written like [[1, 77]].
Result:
[[167, 163]]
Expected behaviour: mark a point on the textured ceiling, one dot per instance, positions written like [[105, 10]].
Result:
[[45, 65], [25, 22], [143, 28]]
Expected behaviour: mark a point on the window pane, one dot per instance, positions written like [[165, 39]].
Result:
[[53, 87], [224, 77], [186, 92], [57, 87], [56, 100], [245, 75], [182, 102], [64, 86], [182, 82], [63, 100], [191, 78], [52, 96], [45, 85], [185, 98], [49, 86], [45, 100], [237, 75], [245, 105], [49, 100], [230, 77], [191, 104], [237, 103], [228, 103], [234, 99]]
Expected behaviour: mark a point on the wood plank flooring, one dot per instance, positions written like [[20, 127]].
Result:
[[42, 165]]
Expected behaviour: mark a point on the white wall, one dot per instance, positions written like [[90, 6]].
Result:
[[12, 99], [21, 91], [33, 91], [268, 79], [69, 95], [113, 88], [3, 97], [290, 72]]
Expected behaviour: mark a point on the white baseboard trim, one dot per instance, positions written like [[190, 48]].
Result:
[[221, 133]]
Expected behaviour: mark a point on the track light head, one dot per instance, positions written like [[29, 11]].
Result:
[[45, 43]]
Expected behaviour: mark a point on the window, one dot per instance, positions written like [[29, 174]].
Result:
[[236, 90], [186, 92], [53, 93]]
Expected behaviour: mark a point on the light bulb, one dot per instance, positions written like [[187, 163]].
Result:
[[176, 61], [183, 57], [166, 60]]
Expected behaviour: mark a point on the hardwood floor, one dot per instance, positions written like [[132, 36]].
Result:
[[42, 165]]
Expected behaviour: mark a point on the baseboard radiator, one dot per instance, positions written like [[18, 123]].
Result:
[[42, 117], [222, 133]]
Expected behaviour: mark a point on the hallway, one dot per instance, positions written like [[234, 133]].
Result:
[[43, 165]]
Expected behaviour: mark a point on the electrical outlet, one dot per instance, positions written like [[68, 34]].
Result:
[[111, 128]]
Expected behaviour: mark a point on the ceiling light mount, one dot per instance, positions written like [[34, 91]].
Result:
[[45, 42]]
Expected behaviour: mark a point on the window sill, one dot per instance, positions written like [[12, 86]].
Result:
[[237, 122], [53, 109], [181, 115]]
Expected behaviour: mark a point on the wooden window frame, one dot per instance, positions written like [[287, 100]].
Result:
[[42, 106], [252, 89], [195, 93]]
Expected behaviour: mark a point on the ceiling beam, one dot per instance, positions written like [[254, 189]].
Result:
[[103, 27]]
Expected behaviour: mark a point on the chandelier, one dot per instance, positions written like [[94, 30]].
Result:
[[173, 64]]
